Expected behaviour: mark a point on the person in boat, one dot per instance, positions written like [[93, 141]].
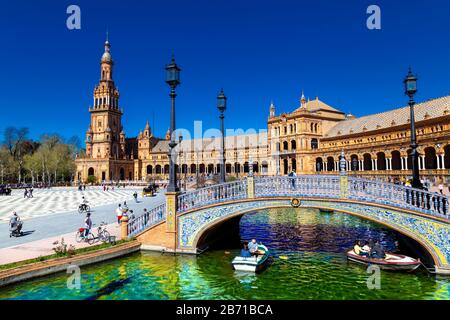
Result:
[[366, 248], [358, 250], [245, 253], [253, 247], [377, 251]]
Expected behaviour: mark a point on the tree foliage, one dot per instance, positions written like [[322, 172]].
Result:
[[49, 160]]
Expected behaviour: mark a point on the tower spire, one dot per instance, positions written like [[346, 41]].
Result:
[[272, 109], [302, 100]]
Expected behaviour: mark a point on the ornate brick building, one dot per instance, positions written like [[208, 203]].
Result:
[[309, 140]]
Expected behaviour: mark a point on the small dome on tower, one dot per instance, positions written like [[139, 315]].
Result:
[[168, 136], [107, 55]]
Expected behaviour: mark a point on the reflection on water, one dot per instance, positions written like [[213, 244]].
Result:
[[308, 262]]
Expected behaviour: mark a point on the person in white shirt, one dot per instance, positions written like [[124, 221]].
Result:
[[119, 213], [441, 188]]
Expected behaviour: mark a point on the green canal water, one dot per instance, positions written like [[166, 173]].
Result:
[[313, 265]]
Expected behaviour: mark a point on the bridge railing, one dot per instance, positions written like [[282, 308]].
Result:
[[301, 186], [398, 196], [146, 220], [211, 195]]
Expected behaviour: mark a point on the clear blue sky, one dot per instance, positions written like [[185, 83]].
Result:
[[257, 50]]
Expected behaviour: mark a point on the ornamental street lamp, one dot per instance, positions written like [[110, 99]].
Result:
[[173, 80], [410, 90], [222, 106], [197, 154]]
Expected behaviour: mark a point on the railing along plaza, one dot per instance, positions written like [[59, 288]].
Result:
[[146, 220], [308, 186], [211, 195], [320, 186]]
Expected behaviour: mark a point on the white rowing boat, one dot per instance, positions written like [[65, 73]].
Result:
[[253, 263]]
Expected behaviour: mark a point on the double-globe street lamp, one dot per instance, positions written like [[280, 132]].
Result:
[[410, 90], [173, 80], [222, 106]]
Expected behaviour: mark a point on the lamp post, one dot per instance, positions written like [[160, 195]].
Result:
[[197, 153], [173, 80], [222, 106], [180, 165], [410, 90]]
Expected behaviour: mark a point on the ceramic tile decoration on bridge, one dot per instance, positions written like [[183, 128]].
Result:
[[419, 214]]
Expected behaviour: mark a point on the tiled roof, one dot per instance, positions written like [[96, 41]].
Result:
[[425, 110], [317, 105], [231, 142], [161, 146]]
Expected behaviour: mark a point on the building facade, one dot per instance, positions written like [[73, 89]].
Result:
[[308, 140]]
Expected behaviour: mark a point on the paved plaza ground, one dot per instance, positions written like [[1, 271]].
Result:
[[53, 214], [58, 200]]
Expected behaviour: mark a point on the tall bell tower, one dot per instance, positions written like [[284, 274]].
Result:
[[105, 138]]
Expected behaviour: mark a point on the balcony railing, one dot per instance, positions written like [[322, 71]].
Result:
[[329, 187], [148, 219], [212, 195], [398, 196], [302, 186]]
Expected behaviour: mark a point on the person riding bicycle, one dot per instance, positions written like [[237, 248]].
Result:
[[84, 203], [87, 224]]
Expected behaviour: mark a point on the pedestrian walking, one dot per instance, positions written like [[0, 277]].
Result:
[[25, 193], [119, 213], [441, 188]]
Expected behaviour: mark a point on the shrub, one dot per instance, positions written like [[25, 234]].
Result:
[[91, 180], [61, 249]]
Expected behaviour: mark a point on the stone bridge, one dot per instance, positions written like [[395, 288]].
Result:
[[179, 224]]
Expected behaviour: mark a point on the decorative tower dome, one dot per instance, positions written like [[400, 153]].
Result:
[[272, 109], [107, 55]]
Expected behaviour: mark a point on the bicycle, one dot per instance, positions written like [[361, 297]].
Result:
[[80, 237], [102, 234], [84, 207]]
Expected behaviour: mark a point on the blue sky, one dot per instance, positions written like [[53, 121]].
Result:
[[257, 50]]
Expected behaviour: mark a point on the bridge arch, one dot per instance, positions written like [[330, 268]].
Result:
[[196, 224], [420, 215]]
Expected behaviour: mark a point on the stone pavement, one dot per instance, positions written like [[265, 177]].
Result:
[[41, 232], [44, 247], [58, 200]]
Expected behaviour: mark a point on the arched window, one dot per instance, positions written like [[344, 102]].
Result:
[[430, 158], [293, 145], [319, 164], [396, 160], [381, 161], [314, 143]]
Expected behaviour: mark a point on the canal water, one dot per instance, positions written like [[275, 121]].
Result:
[[308, 262]]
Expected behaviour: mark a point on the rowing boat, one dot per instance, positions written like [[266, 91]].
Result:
[[253, 263], [392, 261]]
